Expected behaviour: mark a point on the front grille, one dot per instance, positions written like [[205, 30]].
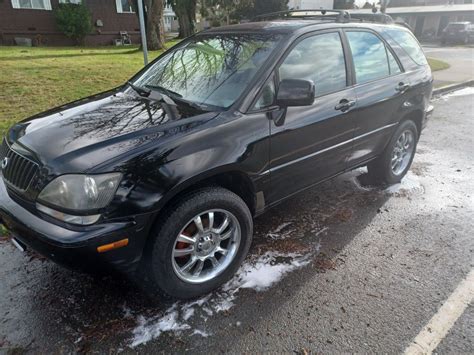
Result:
[[17, 170]]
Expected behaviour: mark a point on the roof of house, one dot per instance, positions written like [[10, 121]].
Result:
[[423, 9]]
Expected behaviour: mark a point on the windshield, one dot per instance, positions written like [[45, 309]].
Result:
[[210, 70]]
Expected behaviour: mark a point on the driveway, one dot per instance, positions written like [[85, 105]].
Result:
[[460, 59], [343, 267]]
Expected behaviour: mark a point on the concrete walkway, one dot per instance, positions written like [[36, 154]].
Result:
[[460, 59]]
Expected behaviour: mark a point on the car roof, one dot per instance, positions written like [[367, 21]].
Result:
[[290, 26], [460, 23]]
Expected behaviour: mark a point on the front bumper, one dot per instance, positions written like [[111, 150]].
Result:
[[76, 249]]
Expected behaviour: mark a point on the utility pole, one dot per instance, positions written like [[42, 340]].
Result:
[[142, 31]]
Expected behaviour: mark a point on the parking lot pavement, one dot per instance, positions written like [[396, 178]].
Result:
[[342, 267], [460, 59]]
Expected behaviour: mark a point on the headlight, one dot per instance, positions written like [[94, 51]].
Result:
[[80, 193]]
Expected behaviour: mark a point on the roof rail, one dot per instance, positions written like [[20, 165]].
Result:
[[378, 17], [339, 15]]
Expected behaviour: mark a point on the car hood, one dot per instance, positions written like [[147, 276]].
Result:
[[78, 136]]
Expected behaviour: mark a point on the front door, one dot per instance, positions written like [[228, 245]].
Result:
[[313, 142]]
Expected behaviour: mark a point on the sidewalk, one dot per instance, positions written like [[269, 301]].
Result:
[[460, 59]]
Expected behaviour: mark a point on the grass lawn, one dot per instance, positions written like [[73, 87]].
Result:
[[35, 79], [437, 64]]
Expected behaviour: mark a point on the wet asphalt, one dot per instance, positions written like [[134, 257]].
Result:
[[380, 266]]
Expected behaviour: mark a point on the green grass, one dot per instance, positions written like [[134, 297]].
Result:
[[35, 79], [437, 64]]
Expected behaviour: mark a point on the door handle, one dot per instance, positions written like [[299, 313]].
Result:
[[402, 87], [344, 105]]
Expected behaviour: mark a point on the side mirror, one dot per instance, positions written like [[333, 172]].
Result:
[[295, 92]]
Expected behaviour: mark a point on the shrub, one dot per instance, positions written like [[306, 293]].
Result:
[[74, 20]]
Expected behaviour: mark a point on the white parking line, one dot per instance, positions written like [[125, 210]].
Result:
[[438, 326]]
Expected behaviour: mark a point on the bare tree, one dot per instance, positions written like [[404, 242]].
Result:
[[185, 10], [154, 24]]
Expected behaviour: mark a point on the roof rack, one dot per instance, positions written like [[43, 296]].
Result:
[[338, 15], [378, 17]]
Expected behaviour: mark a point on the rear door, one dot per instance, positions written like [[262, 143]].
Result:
[[314, 141], [381, 89]]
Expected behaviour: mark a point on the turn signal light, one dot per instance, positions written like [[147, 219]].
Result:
[[112, 246]]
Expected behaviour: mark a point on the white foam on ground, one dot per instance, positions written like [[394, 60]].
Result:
[[463, 92], [266, 271], [201, 333], [152, 328], [258, 274], [409, 184], [276, 233]]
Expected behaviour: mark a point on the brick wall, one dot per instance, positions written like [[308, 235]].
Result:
[[39, 25]]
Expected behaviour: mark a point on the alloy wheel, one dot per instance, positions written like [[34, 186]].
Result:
[[402, 152], [206, 246]]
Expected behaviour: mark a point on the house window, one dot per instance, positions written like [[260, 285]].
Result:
[[123, 6], [70, 1], [32, 4]]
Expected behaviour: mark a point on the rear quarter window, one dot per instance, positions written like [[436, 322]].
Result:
[[408, 43]]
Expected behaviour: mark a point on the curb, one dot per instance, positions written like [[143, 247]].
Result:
[[452, 87]]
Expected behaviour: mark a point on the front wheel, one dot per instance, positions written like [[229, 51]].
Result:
[[200, 243], [397, 157]]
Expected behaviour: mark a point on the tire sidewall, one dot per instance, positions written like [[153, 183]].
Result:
[[161, 269]]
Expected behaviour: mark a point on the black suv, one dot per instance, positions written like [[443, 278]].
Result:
[[457, 32], [163, 175]]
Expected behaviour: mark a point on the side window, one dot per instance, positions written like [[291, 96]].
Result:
[[267, 96], [393, 64], [318, 58], [409, 44], [369, 55]]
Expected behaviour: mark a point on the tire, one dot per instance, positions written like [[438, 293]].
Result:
[[164, 263], [382, 170]]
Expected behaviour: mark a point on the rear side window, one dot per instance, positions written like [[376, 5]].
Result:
[[369, 55], [318, 58], [409, 44], [393, 64]]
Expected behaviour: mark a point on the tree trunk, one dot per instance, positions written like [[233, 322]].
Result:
[[185, 10], [154, 24]]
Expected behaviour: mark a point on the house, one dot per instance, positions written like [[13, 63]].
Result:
[[429, 21], [403, 3], [310, 4], [34, 20]]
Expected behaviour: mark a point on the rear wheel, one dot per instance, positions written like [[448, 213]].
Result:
[[200, 243], [397, 157]]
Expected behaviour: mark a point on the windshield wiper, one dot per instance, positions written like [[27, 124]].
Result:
[[167, 91], [179, 97], [139, 90], [169, 106]]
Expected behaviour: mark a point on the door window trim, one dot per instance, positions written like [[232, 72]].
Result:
[[275, 71]]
